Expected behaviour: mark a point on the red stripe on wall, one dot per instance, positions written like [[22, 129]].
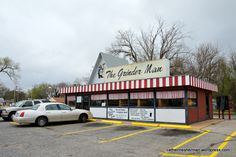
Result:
[[170, 81], [140, 83], [120, 84], [115, 88], [129, 85], [103, 86], [151, 83], [183, 81], [134, 84], [176, 81], [98, 87], [164, 82], [157, 82]]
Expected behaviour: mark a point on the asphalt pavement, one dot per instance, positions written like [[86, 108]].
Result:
[[97, 139]]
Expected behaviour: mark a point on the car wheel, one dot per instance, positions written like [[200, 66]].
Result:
[[42, 121], [10, 116], [83, 118], [5, 119]]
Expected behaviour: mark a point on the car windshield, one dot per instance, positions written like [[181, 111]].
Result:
[[35, 107], [19, 103], [45, 101]]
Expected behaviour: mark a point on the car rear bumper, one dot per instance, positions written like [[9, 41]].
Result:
[[23, 120]]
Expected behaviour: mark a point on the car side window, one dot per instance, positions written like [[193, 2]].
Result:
[[36, 102], [64, 107], [52, 107], [28, 104]]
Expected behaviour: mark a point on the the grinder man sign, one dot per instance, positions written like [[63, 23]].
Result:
[[151, 69]]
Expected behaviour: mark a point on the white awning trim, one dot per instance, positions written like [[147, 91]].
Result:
[[118, 96], [192, 95], [142, 95], [99, 97], [170, 94]]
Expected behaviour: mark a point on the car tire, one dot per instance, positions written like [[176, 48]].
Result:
[[42, 121], [5, 119], [10, 116], [83, 118]]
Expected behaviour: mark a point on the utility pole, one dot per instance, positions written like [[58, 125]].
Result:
[[15, 85]]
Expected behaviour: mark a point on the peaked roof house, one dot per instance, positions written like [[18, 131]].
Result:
[[104, 61]]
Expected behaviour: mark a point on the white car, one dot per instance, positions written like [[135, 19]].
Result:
[[7, 113], [43, 113]]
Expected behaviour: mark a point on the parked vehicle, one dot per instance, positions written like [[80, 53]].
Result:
[[42, 114], [7, 113]]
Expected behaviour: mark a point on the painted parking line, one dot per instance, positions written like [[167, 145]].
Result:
[[184, 143], [213, 154], [181, 155], [191, 139], [14, 123], [88, 130], [128, 135], [223, 145]]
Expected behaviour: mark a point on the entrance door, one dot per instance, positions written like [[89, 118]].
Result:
[[207, 107], [84, 102]]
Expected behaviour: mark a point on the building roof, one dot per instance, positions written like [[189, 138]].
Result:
[[109, 60], [172, 81], [112, 61]]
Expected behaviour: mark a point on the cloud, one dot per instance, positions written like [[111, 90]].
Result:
[[59, 40]]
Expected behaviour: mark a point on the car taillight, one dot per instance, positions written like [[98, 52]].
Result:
[[22, 114]]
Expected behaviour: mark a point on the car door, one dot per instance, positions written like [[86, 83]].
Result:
[[53, 113], [67, 113]]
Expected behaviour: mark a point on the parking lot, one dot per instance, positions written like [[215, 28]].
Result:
[[106, 139]]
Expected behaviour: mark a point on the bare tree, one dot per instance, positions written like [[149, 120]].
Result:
[[180, 65], [82, 81], [158, 42], [3, 89], [205, 62], [233, 61], [8, 67], [126, 44]]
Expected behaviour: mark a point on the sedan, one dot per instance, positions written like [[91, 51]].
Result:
[[44, 113]]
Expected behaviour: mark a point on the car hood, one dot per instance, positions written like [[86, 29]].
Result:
[[12, 108]]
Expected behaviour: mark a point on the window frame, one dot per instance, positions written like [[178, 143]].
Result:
[[58, 109]]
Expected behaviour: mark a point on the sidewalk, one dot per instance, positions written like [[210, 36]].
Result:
[[204, 124]]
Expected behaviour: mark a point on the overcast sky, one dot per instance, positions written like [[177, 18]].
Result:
[[59, 40]]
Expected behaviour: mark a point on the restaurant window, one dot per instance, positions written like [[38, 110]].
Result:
[[192, 98], [118, 100], [142, 99], [71, 100], [170, 98], [98, 100]]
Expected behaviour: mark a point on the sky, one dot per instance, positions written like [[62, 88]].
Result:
[[59, 40]]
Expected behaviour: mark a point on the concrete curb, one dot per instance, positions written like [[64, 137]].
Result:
[[176, 126]]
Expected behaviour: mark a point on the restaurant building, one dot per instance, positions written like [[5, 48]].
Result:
[[142, 92]]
